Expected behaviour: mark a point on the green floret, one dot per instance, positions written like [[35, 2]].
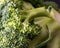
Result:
[[14, 33]]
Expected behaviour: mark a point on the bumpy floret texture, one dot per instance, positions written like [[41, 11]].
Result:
[[14, 33]]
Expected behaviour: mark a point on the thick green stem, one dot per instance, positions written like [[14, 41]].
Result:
[[53, 28], [53, 25], [38, 12]]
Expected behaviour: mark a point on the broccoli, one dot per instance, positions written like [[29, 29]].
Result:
[[17, 27], [14, 33]]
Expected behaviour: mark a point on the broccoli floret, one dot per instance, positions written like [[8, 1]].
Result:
[[14, 33]]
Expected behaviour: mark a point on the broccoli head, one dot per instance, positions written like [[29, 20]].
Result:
[[15, 33]]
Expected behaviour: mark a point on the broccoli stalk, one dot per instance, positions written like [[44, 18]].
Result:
[[53, 28], [34, 13]]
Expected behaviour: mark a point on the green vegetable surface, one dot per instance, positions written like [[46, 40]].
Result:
[[17, 27], [14, 32]]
